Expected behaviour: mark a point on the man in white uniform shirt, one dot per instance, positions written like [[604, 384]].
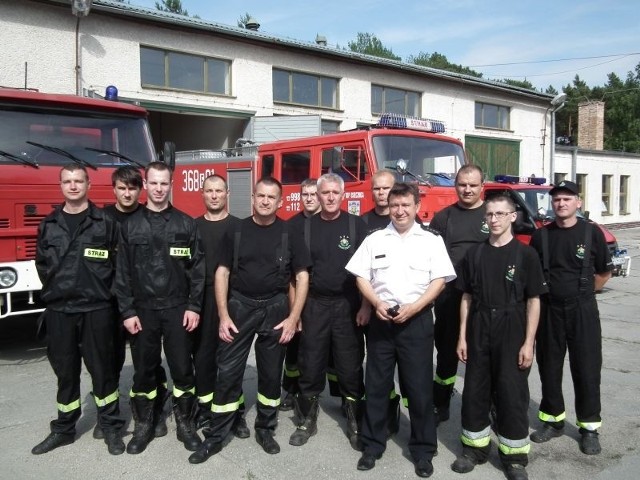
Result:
[[401, 270]]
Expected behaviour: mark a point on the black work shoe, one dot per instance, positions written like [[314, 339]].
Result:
[[515, 471], [287, 402], [589, 442], [367, 461], [53, 441], [441, 414], [114, 442], [546, 433], [267, 442], [98, 434], [424, 468], [464, 464], [240, 428], [208, 449], [302, 435]]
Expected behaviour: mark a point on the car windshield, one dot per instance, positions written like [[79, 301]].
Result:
[[429, 160], [56, 138]]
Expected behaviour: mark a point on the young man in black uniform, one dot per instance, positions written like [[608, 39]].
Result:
[[577, 264], [127, 186], [310, 207], [400, 271], [462, 225], [251, 285], [332, 313], [213, 227], [75, 261], [501, 281], [160, 285]]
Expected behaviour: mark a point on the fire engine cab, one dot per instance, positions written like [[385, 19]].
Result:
[[414, 149], [533, 208]]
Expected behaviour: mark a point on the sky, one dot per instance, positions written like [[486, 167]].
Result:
[[545, 42]]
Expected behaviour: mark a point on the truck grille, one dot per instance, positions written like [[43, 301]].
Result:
[[33, 221], [4, 223], [26, 249]]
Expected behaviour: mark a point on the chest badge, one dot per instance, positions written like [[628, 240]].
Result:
[[484, 228], [511, 273], [580, 250], [344, 242]]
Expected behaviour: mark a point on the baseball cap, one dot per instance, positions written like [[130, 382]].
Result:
[[565, 185]]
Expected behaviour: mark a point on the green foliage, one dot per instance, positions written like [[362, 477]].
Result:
[[369, 44], [440, 61], [622, 110], [519, 83], [172, 6]]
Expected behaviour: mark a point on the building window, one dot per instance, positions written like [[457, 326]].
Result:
[[305, 89], [559, 177], [183, 71], [492, 116], [394, 100], [606, 194], [329, 126], [624, 194], [581, 182]]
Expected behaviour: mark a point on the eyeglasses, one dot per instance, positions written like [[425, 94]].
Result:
[[498, 215]]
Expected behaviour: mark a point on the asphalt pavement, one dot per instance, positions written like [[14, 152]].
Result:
[[27, 404]]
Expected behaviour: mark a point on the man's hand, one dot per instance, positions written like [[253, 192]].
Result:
[[381, 311], [133, 325], [525, 356], [289, 327], [364, 314], [461, 349], [190, 320], [405, 312], [226, 328]]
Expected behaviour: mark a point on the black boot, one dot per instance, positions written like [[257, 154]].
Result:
[[352, 408], [159, 418], [393, 416], [184, 411], [142, 411], [203, 415], [307, 413]]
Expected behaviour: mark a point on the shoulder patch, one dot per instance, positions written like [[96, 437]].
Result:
[[426, 228]]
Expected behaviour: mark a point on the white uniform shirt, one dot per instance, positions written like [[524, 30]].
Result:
[[401, 268]]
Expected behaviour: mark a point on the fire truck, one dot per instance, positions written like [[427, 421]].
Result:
[[414, 149], [533, 209], [39, 133]]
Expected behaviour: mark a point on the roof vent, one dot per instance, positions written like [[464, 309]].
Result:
[[252, 24], [321, 40]]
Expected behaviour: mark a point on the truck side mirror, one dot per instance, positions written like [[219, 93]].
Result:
[[169, 154], [336, 159]]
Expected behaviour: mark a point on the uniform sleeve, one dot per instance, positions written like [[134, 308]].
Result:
[[300, 257], [463, 282], [41, 261], [535, 284], [226, 246], [600, 251], [123, 286], [197, 271], [438, 223], [442, 266], [360, 263]]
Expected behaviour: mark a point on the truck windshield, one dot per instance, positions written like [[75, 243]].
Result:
[[54, 137], [538, 201], [431, 160]]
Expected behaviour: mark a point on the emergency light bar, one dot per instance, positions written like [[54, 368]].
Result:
[[514, 179], [395, 120]]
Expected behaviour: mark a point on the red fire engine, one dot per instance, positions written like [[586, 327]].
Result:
[[414, 149], [39, 134]]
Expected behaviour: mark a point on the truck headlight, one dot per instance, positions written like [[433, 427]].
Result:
[[8, 277]]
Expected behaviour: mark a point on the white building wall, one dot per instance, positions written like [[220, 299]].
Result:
[[44, 36]]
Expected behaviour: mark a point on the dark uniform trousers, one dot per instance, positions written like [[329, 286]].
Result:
[[572, 323], [446, 333], [410, 345], [73, 337], [206, 348], [291, 370], [494, 339], [162, 327], [251, 317], [329, 329]]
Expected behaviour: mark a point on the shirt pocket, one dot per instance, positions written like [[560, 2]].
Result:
[[179, 248], [419, 272]]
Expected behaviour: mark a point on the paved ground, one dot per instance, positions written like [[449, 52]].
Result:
[[27, 404]]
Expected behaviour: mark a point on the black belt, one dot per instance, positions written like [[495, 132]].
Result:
[[261, 301], [567, 300]]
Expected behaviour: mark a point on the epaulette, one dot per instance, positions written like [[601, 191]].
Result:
[[427, 228]]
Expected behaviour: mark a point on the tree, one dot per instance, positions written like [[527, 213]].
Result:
[[518, 83], [369, 44], [244, 19], [172, 6], [440, 61]]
